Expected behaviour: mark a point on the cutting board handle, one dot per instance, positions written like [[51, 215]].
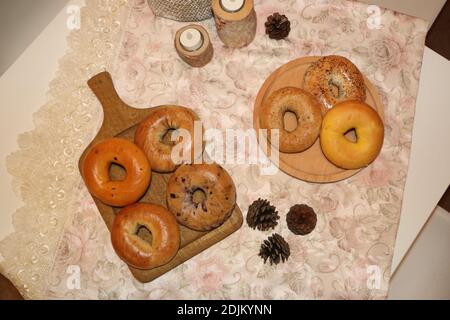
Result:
[[115, 110]]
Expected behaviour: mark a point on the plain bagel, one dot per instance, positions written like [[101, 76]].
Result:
[[154, 135], [136, 251], [369, 129], [307, 111]]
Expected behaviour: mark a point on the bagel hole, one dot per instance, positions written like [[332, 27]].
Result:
[[290, 121], [117, 172], [145, 234], [334, 89], [167, 137], [351, 136], [198, 196]]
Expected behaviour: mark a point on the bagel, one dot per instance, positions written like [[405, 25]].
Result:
[[153, 136], [369, 129], [307, 111], [334, 79], [217, 196], [134, 250], [96, 166]]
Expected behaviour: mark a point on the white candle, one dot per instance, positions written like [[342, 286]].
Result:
[[191, 39], [232, 5]]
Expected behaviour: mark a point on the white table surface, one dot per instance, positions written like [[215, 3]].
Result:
[[27, 18], [24, 85]]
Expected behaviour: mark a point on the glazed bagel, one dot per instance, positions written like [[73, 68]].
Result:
[[153, 135], [134, 250], [369, 130], [95, 170], [334, 79], [217, 201], [308, 113]]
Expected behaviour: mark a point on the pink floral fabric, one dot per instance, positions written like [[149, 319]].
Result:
[[349, 254]]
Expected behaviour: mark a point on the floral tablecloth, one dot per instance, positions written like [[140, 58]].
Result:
[[60, 233]]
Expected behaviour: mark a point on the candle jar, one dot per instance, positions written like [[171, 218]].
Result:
[[193, 45], [235, 21], [232, 5]]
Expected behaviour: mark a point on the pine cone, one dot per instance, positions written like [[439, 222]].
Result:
[[278, 26], [275, 249], [262, 215], [301, 219]]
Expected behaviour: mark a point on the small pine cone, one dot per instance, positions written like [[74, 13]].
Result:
[[278, 26], [262, 215], [275, 249], [301, 219]]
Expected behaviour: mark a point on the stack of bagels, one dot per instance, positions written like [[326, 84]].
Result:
[[200, 197], [330, 105]]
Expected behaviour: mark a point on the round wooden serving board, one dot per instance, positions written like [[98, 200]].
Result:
[[310, 165]]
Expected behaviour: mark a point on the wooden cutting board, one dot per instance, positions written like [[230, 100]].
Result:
[[310, 165], [121, 120]]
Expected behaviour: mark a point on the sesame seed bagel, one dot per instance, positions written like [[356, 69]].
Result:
[[334, 79]]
